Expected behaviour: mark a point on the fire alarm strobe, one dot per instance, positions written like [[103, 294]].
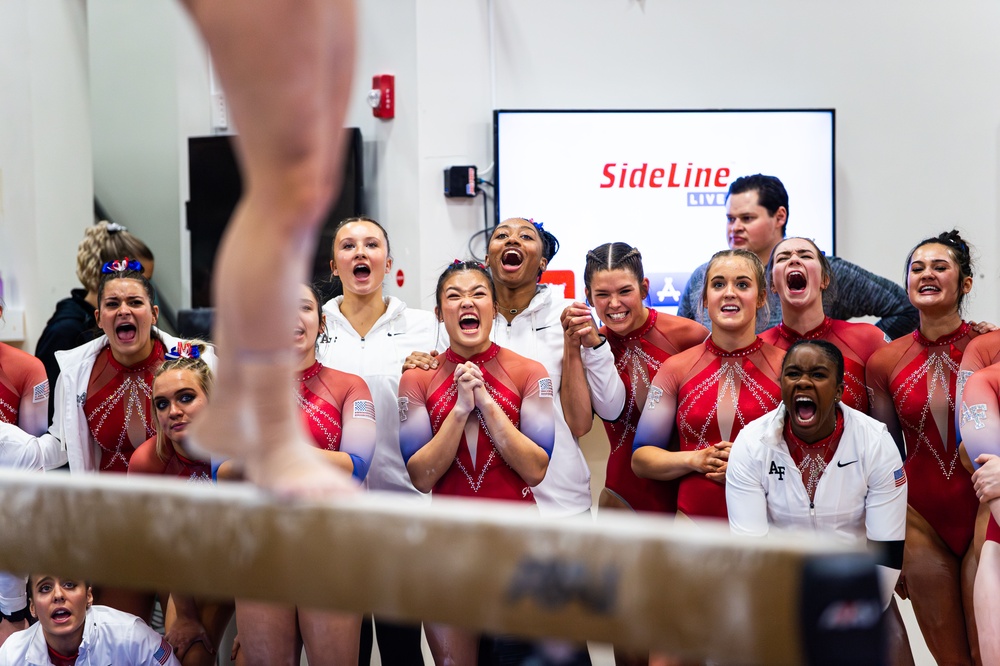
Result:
[[460, 181], [382, 97]]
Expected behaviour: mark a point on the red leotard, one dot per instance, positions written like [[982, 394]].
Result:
[[60, 659], [321, 415], [979, 412], [24, 390], [919, 376], [118, 407], [638, 356], [856, 341], [710, 394], [145, 461], [323, 394], [521, 388], [982, 352]]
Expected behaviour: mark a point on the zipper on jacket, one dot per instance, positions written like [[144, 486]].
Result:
[[812, 513]]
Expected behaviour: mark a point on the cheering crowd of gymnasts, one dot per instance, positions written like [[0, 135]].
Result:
[[814, 422]]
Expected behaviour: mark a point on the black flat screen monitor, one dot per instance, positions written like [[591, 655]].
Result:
[[657, 180], [215, 187]]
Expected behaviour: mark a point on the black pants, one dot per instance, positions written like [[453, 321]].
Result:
[[398, 644]]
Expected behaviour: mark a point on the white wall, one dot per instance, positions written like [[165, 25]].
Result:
[[45, 158], [917, 113], [149, 92], [917, 120]]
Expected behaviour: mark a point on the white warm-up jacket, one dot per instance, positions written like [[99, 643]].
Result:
[[109, 637], [862, 492], [378, 359]]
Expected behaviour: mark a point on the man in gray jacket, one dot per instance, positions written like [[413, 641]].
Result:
[[757, 215]]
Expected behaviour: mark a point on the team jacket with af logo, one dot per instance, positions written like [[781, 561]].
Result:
[[862, 492]]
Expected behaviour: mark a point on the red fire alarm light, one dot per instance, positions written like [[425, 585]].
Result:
[[382, 97]]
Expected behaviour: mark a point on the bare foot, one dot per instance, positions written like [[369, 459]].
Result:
[[253, 418], [299, 472]]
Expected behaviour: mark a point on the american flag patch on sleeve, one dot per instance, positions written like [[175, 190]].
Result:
[[163, 652], [545, 388], [900, 477], [41, 392], [364, 409]]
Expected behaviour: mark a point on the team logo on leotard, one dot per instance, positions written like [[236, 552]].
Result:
[[364, 409], [963, 376], [545, 388], [403, 405], [41, 392], [975, 414], [655, 393]]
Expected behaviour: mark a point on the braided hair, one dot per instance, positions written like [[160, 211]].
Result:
[[104, 242], [613, 256]]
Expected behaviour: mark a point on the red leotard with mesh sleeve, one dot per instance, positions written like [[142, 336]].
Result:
[[856, 341], [917, 378], [24, 390], [638, 357], [979, 413], [982, 352], [145, 461], [708, 394], [323, 394], [118, 406], [521, 388]]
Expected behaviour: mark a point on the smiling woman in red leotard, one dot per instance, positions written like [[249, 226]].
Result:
[[641, 340], [914, 385]]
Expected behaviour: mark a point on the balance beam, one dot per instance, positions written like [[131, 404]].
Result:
[[635, 581]]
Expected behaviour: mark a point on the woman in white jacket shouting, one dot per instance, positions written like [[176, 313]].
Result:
[[816, 464]]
